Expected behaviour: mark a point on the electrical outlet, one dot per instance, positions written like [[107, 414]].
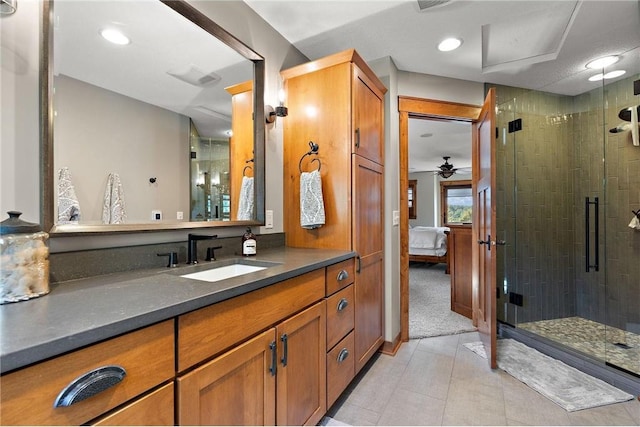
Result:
[[156, 215], [268, 219], [396, 218], [179, 215]]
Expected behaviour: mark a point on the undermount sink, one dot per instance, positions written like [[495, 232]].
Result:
[[224, 272]]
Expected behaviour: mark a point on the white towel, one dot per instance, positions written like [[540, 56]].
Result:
[[635, 223], [245, 204], [113, 209], [68, 206], [311, 200]]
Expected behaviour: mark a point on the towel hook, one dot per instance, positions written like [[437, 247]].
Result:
[[313, 150], [245, 170], [637, 214]]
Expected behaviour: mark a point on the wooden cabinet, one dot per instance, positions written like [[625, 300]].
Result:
[[241, 143], [237, 388], [460, 247], [276, 377], [146, 355], [153, 409], [340, 323], [338, 103]]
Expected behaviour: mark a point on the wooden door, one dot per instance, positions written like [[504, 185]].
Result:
[[237, 388], [368, 229], [459, 249], [484, 227], [302, 368], [368, 113]]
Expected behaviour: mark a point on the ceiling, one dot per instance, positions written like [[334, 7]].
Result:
[[541, 45]]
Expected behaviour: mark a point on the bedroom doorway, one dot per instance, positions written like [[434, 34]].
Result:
[[414, 114]]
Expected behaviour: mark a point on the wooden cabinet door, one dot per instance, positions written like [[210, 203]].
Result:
[[302, 380], [368, 116], [368, 226], [237, 388]]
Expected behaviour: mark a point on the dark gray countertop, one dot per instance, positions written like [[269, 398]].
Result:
[[82, 312]]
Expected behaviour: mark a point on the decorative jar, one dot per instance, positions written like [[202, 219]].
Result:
[[24, 260]]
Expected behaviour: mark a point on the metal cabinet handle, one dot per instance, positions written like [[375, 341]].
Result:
[[343, 275], [359, 263], [284, 338], [90, 384], [342, 304], [274, 359], [357, 137], [344, 353]]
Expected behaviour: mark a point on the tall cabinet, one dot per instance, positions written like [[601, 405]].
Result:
[[338, 103]]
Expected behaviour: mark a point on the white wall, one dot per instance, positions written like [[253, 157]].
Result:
[[103, 132], [427, 197]]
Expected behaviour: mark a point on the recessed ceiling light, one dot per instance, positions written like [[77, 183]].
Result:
[[115, 36], [614, 74], [603, 62], [449, 44]]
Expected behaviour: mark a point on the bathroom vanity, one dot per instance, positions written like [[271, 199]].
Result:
[[268, 347]]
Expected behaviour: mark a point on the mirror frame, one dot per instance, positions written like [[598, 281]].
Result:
[[47, 214]]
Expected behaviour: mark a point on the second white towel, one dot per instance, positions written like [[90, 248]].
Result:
[[113, 209], [245, 204], [311, 200], [68, 206]]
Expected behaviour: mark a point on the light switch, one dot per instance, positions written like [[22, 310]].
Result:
[[396, 217], [268, 219]]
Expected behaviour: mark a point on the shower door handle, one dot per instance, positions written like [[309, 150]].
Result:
[[587, 240]]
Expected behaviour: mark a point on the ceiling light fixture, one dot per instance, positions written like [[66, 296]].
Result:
[[449, 44], [609, 75], [603, 62], [115, 36], [614, 74]]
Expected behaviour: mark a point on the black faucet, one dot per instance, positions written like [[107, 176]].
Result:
[[192, 249]]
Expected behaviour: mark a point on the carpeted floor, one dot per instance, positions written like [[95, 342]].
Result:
[[568, 387], [430, 312]]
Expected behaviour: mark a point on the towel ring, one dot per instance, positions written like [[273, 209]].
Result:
[[314, 150], [245, 169]]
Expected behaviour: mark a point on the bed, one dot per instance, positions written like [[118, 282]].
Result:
[[429, 244]]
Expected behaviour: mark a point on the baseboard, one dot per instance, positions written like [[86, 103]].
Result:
[[391, 347]]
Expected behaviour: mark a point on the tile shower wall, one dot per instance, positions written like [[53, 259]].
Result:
[[558, 161], [542, 161]]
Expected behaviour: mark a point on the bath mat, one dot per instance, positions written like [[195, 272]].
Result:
[[568, 387]]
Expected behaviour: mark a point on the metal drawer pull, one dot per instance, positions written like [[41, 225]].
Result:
[[344, 353], [343, 304], [343, 275], [274, 359], [285, 350], [90, 384]]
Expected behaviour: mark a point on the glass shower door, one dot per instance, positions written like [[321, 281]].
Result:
[[622, 242]]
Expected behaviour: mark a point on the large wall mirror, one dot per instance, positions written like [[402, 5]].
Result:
[[161, 127]]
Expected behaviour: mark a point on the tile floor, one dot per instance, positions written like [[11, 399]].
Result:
[[437, 381]]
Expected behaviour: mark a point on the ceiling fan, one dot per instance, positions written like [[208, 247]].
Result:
[[446, 170]]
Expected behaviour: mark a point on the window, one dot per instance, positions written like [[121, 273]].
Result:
[[456, 202], [412, 197]]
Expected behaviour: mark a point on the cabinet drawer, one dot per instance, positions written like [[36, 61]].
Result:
[[154, 409], [340, 315], [340, 275], [340, 368], [147, 356], [209, 331]]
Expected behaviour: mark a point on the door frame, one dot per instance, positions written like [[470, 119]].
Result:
[[410, 107]]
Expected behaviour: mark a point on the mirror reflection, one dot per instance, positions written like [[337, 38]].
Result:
[[151, 123]]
